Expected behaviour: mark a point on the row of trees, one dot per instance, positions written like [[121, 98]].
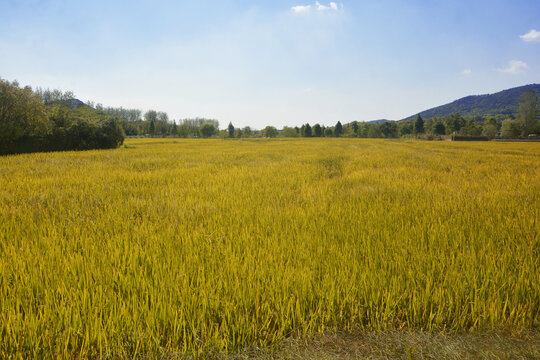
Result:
[[32, 121], [157, 124], [526, 122], [49, 120]]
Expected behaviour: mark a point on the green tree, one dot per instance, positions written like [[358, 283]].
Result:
[[317, 130], [328, 132], [419, 125], [174, 129], [22, 114], [355, 128], [374, 131], [527, 117], [270, 132], [439, 128], [389, 129], [230, 130], [489, 130], [288, 132], [405, 128], [151, 115], [307, 130], [453, 123], [510, 128], [152, 128], [338, 129], [207, 130]]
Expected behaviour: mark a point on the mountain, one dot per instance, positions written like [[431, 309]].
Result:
[[378, 121], [502, 103]]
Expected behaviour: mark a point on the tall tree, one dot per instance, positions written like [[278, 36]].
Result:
[[152, 128], [307, 130], [338, 129], [230, 129], [419, 125], [527, 112]]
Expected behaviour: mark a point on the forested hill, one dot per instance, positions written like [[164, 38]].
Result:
[[504, 102]]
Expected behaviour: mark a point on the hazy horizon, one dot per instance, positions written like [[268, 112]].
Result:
[[272, 63]]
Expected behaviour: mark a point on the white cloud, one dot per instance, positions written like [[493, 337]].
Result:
[[467, 72], [318, 6], [515, 67], [301, 8], [531, 36]]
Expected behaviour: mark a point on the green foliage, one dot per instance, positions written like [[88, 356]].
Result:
[[453, 123], [439, 129], [527, 118], [471, 128], [419, 125], [288, 132], [355, 127], [270, 132], [405, 128], [389, 129], [374, 131], [207, 130], [306, 130], [338, 129], [489, 130], [28, 125], [22, 115], [317, 130], [510, 128], [152, 127], [174, 129]]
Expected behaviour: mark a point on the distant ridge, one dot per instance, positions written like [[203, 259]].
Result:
[[502, 103], [378, 121]]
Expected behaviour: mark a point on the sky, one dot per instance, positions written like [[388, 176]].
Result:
[[280, 63]]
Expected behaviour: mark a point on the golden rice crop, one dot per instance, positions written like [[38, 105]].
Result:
[[171, 247]]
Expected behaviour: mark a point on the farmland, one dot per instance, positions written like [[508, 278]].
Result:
[[167, 247]]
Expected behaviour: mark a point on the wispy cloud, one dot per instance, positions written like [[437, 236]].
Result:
[[515, 67], [531, 36], [467, 72], [317, 6], [331, 6]]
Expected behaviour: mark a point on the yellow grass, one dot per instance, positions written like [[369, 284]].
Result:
[[169, 247]]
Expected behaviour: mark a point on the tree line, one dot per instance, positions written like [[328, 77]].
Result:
[[52, 120]]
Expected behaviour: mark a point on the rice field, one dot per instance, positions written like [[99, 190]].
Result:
[[173, 248]]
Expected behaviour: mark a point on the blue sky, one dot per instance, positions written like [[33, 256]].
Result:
[[275, 63]]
